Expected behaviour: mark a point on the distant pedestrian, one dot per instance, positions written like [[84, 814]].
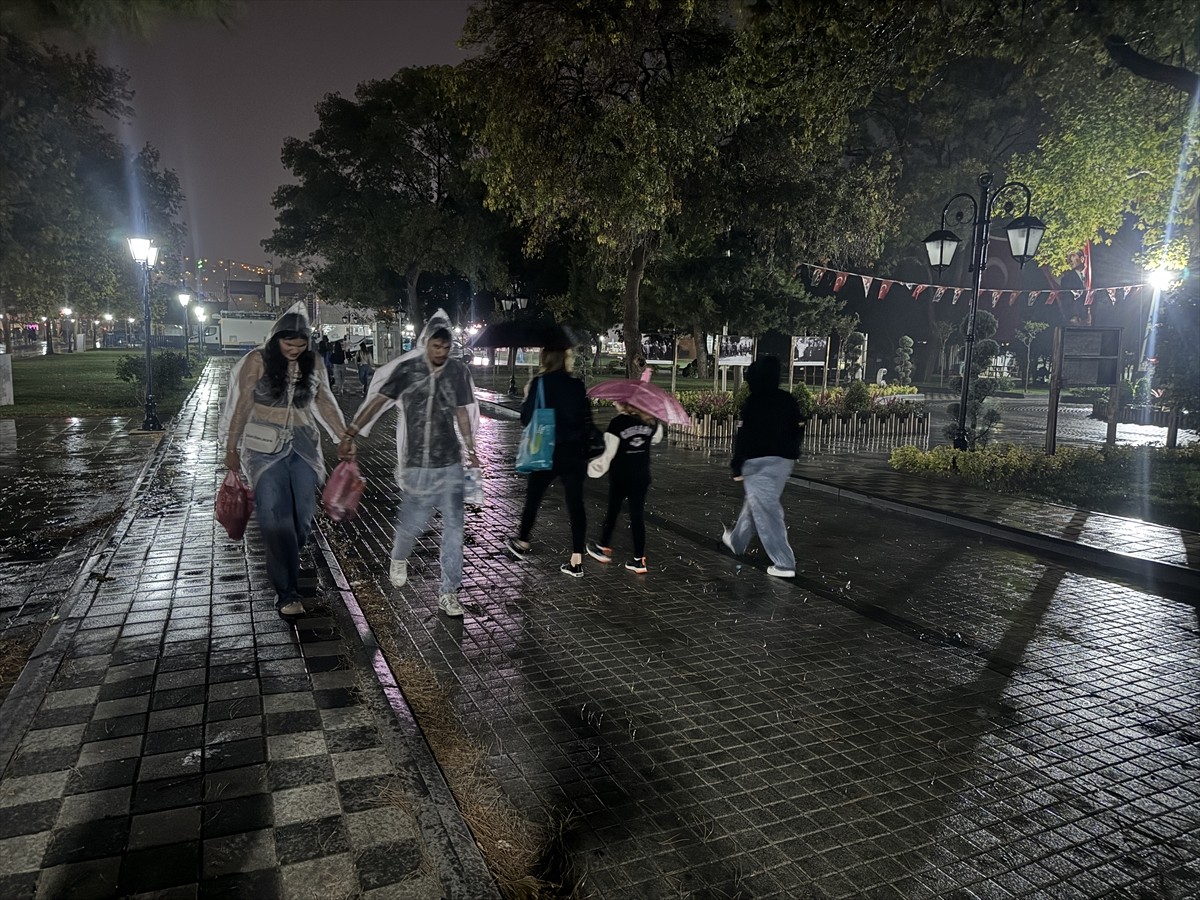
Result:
[[337, 366], [626, 459], [323, 348], [567, 396], [362, 359], [279, 393], [766, 446], [435, 398]]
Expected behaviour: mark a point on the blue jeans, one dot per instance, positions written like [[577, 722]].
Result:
[[425, 491], [285, 500], [764, 478]]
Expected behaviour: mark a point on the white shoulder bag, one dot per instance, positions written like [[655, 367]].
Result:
[[263, 437]]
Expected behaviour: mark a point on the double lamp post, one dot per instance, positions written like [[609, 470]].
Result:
[[1024, 236], [511, 305]]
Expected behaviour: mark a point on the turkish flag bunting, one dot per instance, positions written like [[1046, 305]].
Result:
[[957, 294], [839, 281], [916, 291], [817, 275], [1012, 297], [1112, 294], [1034, 296], [1089, 298], [866, 280], [884, 287], [937, 295], [996, 297], [1053, 296], [1125, 292]]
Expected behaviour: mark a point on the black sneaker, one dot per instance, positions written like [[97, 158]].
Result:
[[637, 564], [575, 571], [515, 548], [596, 552]]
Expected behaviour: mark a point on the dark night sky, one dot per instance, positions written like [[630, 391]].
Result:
[[219, 102]]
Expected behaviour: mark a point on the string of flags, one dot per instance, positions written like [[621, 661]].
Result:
[[937, 292]]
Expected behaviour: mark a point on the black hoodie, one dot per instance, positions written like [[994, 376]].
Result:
[[770, 417]]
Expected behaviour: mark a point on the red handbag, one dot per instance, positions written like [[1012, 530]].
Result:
[[343, 491], [235, 504]]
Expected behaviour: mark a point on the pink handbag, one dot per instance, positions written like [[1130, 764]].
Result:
[[235, 504], [343, 491]]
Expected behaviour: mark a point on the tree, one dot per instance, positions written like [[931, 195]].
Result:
[[1026, 334], [383, 195], [904, 365], [87, 17], [1177, 362], [68, 188], [942, 330], [981, 418]]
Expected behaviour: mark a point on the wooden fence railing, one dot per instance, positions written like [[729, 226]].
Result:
[[706, 432]]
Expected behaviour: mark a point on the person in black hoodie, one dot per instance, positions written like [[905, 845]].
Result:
[[766, 446], [567, 396]]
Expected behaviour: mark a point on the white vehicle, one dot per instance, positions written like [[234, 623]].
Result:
[[242, 331]]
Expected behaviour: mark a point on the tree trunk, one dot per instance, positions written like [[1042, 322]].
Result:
[[634, 360], [412, 304], [1027, 355], [701, 351], [49, 332], [1173, 425]]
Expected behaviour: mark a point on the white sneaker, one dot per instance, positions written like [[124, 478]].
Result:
[[398, 572], [727, 540], [781, 573], [448, 603]]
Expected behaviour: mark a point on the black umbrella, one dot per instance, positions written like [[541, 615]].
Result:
[[533, 333]]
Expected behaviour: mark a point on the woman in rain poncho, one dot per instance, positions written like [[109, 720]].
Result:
[[437, 416], [282, 386]]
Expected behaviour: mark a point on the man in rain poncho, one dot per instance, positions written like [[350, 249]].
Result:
[[437, 415]]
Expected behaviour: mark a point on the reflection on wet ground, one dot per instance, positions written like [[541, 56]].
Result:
[[65, 481]]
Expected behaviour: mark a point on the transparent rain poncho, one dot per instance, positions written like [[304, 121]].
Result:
[[250, 399], [428, 444]]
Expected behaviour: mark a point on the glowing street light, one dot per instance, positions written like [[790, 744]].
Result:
[[145, 255]]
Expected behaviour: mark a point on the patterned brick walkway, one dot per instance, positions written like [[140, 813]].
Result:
[[922, 713], [172, 737]]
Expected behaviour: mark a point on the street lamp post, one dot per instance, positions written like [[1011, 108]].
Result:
[[184, 299], [145, 255], [511, 305], [64, 332], [201, 318], [1024, 236]]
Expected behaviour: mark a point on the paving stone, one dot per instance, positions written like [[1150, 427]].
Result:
[[171, 826], [303, 804], [32, 788], [239, 853], [24, 852], [159, 868], [320, 878], [89, 807], [230, 816], [94, 879], [86, 841], [309, 839], [294, 746], [378, 825], [388, 863], [28, 818]]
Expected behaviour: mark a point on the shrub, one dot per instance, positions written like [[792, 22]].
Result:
[[807, 402], [717, 404], [168, 369], [1146, 482], [857, 398]]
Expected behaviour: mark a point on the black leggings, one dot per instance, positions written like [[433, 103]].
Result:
[[572, 481], [635, 491]]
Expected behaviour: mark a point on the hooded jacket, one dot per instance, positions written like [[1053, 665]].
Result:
[[770, 417]]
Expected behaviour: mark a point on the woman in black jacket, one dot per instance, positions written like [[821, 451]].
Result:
[[766, 446], [567, 396]]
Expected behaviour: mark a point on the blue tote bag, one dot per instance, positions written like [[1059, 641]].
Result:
[[535, 453]]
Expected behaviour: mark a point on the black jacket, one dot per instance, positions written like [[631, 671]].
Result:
[[567, 396], [770, 418]]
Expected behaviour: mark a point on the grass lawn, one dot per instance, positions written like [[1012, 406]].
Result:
[[81, 384]]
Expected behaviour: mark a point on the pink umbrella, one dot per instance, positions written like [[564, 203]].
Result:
[[645, 396]]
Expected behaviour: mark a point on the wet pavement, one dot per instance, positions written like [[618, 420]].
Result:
[[173, 737], [925, 711]]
